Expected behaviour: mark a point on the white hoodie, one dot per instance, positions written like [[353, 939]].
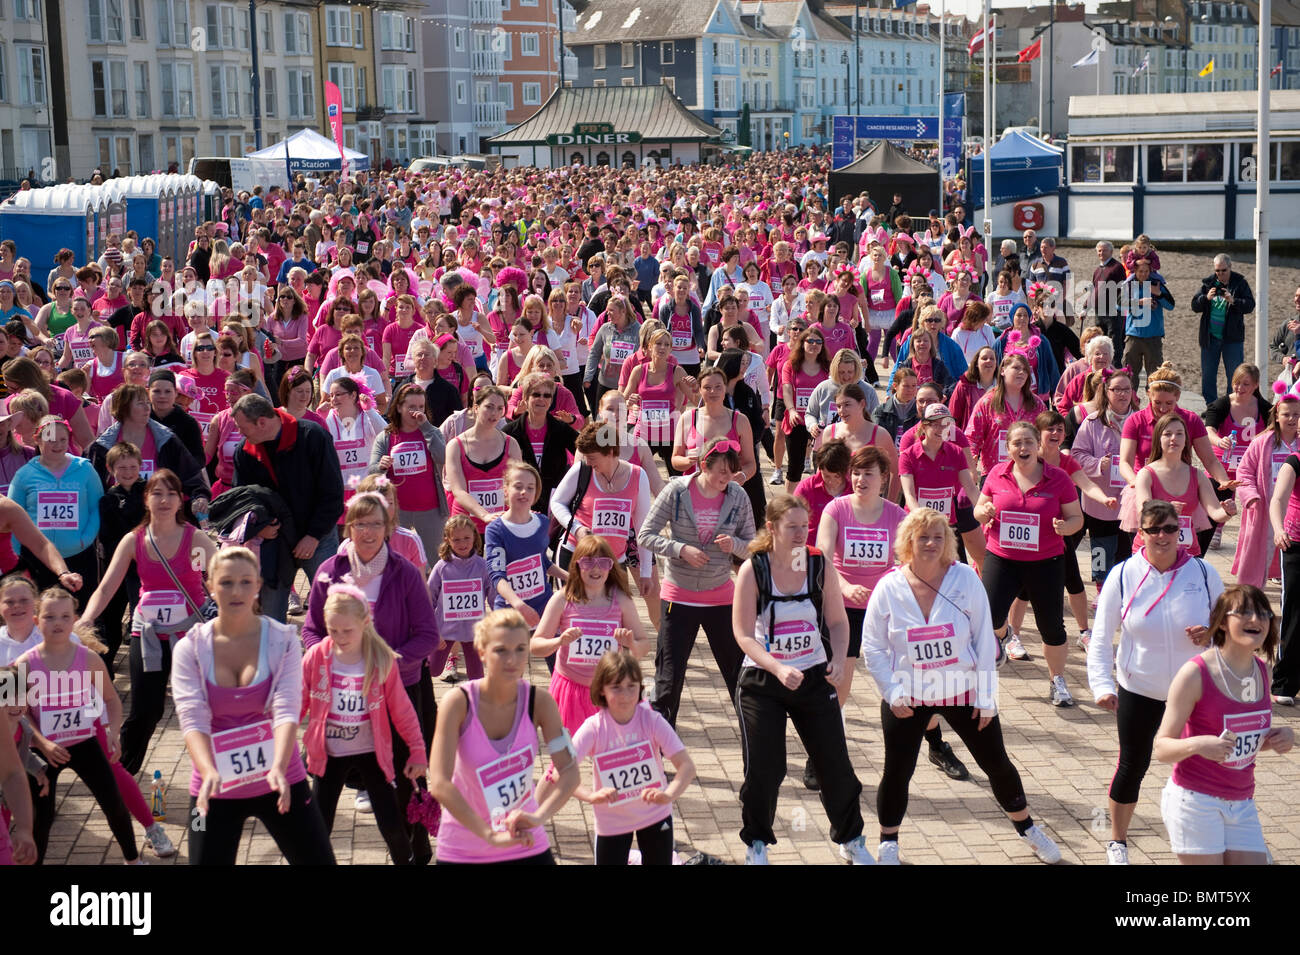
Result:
[[1152, 617]]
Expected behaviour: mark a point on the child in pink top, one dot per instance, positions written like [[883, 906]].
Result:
[[592, 616], [626, 741]]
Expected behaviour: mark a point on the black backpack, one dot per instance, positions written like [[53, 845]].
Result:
[[767, 600]]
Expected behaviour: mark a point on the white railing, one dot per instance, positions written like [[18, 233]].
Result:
[[489, 114], [484, 11], [487, 62]]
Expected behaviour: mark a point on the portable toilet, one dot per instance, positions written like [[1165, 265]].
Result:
[[211, 201], [115, 200], [42, 221], [142, 197], [166, 219]]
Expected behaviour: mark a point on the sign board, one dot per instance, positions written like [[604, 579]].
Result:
[[593, 134], [954, 115], [247, 173], [847, 130]]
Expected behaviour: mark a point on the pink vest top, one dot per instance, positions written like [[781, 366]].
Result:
[[577, 661], [1215, 712], [609, 513]]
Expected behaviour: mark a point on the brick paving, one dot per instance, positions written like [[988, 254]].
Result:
[[1065, 757]]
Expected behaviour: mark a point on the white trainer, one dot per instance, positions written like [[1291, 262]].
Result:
[[887, 852], [1116, 853], [756, 854], [854, 852], [1042, 844]]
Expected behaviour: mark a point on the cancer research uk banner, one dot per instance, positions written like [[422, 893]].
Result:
[[954, 115], [334, 110]]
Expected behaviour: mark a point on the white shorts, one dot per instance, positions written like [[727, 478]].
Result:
[[1207, 825]]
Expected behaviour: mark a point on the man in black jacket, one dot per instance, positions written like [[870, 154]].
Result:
[[164, 409], [1223, 303], [297, 459]]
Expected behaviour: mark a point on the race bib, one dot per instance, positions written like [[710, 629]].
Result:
[[146, 468], [796, 643], [71, 722], [936, 499], [932, 647], [204, 420], [878, 297], [1185, 534], [59, 510], [630, 770], [401, 366], [1018, 530], [347, 702], [866, 547], [1251, 728], [244, 754], [81, 352], [410, 459], [506, 783], [228, 448], [525, 577], [488, 494], [163, 607], [611, 517], [620, 352], [1116, 478], [462, 599], [1275, 465], [349, 455], [655, 412], [801, 396], [1002, 445], [682, 336], [597, 639], [363, 248]]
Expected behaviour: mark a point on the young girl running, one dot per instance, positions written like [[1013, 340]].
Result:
[[459, 589], [482, 763], [592, 616], [67, 710], [626, 741], [352, 689]]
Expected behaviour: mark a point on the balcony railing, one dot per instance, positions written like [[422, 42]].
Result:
[[489, 114], [487, 62], [485, 11]]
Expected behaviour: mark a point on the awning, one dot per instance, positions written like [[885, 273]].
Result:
[[608, 116], [308, 151]]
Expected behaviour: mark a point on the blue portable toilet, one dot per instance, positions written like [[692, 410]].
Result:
[[43, 221], [142, 195]]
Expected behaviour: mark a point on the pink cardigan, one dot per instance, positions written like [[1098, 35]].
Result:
[[384, 700], [1256, 557]]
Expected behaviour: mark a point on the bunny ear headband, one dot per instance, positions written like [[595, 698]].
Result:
[[960, 269], [1040, 288], [1107, 372], [846, 269], [917, 269]]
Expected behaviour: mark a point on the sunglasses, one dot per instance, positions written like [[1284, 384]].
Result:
[[1252, 614], [813, 341], [1162, 529], [199, 348], [595, 563], [544, 394]]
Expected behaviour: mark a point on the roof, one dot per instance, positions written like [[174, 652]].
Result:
[[886, 159], [615, 21], [1192, 104], [654, 111], [1284, 14]]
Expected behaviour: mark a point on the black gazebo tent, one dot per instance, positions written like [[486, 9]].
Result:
[[883, 170]]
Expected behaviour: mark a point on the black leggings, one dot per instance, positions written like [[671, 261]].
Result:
[[679, 625], [1137, 718], [88, 761], [574, 384], [1286, 674], [903, 745], [796, 447], [1070, 563], [85, 563], [1004, 579], [300, 832], [1108, 545], [765, 705], [655, 842], [665, 453], [148, 694], [110, 625], [383, 798]]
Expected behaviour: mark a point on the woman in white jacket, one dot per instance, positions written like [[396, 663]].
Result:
[[1159, 600], [929, 645]]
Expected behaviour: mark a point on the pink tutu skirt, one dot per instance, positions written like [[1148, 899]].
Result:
[[574, 701]]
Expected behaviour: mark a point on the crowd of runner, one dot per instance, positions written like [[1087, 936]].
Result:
[[497, 415]]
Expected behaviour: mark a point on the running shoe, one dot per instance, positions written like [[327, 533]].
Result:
[[1085, 640], [887, 852], [943, 757], [854, 852], [1015, 649], [1059, 694], [1284, 700], [810, 781], [1217, 540], [1116, 853], [777, 478], [295, 602], [363, 802], [1000, 656], [449, 671], [756, 854], [157, 836], [1042, 844]]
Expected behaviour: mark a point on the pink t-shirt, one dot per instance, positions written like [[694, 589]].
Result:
[[1022, 529], [937, 480], [629, 759], [813, 490], [412, 472], [399, 340], [863, 552], [1140, 425]]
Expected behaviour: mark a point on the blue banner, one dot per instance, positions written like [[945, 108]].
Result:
[[847, 130], [954, 116]]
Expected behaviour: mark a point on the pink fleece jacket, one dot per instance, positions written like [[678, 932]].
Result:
[[384, 700]]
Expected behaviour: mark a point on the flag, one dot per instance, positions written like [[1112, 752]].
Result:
[[1207, 69], [1276, 70], [977, 41], [334, 112], [1144, 65], [1031, 52], [1092, 59]]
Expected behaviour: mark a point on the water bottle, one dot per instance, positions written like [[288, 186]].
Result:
[[158, 797]]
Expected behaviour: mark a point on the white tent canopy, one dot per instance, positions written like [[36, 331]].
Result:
[[307, 151]]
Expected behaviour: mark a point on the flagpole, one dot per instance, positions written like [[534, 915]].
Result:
[[1099, 54], [993, 79], [1263, 153], [942, 99], [988, 143]]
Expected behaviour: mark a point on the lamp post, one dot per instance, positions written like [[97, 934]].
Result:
[[1263, 157], [256, 81], [857, 58]]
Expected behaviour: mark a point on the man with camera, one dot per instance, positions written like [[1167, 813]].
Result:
[[1223, 303]]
